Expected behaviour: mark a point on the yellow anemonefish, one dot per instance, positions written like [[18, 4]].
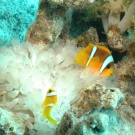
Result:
[[48, 103], [97, 57]]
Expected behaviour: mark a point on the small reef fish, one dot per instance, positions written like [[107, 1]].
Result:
[[98, 58], [48, 103]]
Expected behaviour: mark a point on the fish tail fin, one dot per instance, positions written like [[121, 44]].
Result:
[[53, 121], [45, 111], [47, 114]]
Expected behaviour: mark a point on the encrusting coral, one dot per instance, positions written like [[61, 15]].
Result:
[[10, 123], [115, 26], [70, 3], [126, 68], [46, 29], [95, 97], [113, 22], [94, 113], [54, 19], [26, 73]]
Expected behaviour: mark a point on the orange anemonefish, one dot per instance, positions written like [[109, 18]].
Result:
[[48, 103], [97, 57]]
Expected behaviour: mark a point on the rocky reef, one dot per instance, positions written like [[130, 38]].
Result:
[[10, 124], [126, 68], [56, 30], [116, 17], [94, 113]]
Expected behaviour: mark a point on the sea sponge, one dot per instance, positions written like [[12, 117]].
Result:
[[16, 17], [27, 72]]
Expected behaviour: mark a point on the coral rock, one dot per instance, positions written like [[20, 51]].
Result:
[[45, 30], [94, 113], [10, 123], [117, 41], [95, 97], [126, 68]]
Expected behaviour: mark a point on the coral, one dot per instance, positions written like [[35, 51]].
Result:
[[116, 7], [128, 107], [56, 20], [71, 3], [16, 17], [131, 51], [126, 82], [90, 36], [27, 72], [10, 123], [113, 22], [96, 97], [116, 40], [48, 25], [126, 68], [100, 116]]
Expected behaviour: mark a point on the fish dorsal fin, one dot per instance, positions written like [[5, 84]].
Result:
[[107, 61], [104, 48], [88, 49]]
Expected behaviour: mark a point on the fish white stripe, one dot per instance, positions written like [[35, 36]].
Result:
[[94, 49], [107, 61], [49, 105], [51, 94]]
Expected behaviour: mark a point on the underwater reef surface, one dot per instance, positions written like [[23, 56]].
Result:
[[29, 69], [28, 72], [10, 124], [94, 113], [112, 19]]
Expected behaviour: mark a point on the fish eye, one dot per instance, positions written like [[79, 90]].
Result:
[[49, 91], [108, 66]]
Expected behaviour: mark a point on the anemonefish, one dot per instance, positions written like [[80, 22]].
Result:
[[96, 57], [48, 103]]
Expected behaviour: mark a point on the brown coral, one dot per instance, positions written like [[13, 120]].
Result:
[[117, 41], [45, 29], [126, 68], [90, 36], [95, 97], [87, 115]]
